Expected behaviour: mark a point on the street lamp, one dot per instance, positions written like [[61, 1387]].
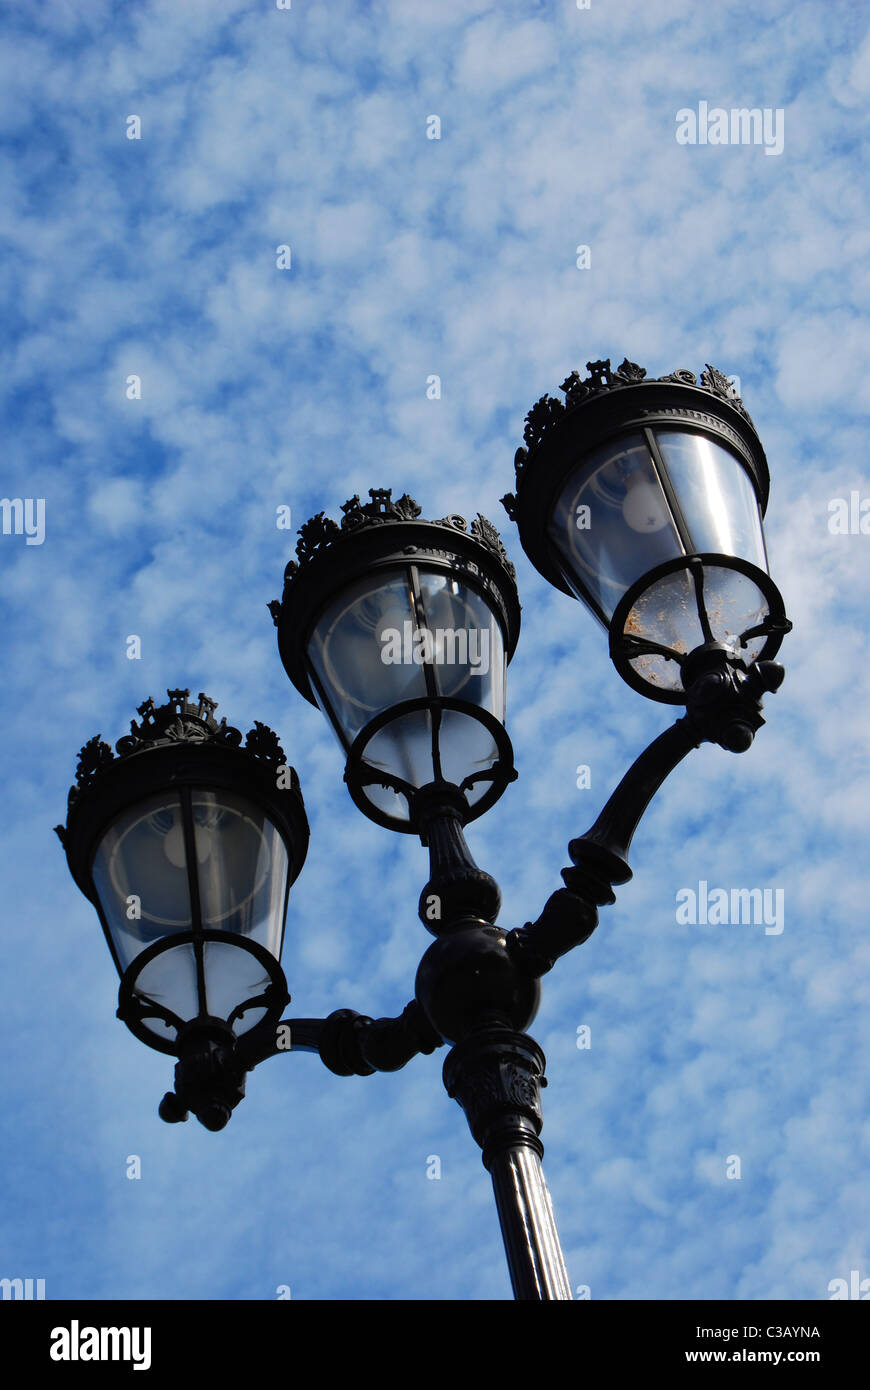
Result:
[[644, 499], [400, 630], [187, 845]]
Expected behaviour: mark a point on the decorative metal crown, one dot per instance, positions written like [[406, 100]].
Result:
[[549, 410], [321, 531], [178, 721]]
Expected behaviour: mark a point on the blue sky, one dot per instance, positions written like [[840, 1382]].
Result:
[[260, 387]]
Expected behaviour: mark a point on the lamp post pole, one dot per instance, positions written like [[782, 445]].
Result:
[[641, 498], [496, 1074]]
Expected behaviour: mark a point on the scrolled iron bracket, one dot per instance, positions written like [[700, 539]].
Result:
[[723, 706]]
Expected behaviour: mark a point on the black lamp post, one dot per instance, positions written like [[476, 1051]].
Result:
[[642, 498]]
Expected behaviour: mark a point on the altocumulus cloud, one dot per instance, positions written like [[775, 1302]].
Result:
[[412, 257]]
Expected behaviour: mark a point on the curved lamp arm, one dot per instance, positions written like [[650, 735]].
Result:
[[348, 1043], [723, 706]]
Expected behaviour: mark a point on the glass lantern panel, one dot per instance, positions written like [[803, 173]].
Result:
[[734, 604], [141, 867], [242, 867], [357, 651], [465, 643], [715, 495], [612, 523], [404, 748], [170, 980], [467, 747], [231, 977], [667, 613]]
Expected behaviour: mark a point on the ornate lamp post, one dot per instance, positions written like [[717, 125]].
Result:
[[642, 498]]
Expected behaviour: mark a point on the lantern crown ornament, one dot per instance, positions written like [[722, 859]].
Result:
[[644, 498], [321, 531], [178, 721], [549, 410], [187, 843]]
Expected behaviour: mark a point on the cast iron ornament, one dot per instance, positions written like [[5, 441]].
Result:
[[550, 411], [178, 721], [321, 532], [496, 1075]]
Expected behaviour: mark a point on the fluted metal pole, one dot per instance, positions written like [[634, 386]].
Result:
[[495, 1074], [528, 1227]]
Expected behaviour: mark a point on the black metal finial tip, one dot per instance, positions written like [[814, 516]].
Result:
[[171, 1109], [214, 1117], [772, 673], [738, 738]]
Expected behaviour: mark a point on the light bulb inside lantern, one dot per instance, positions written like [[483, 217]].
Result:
[[644, 508], [391, 619], [175, 849], [173, 846]]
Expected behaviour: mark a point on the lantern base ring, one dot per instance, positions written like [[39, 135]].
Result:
[[626, 648], [134, 1008], [359, 774]]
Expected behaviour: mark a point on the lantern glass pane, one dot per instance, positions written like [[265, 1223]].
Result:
[[467, 747], [140, 873], [231, 977], [170, 980], [404, 748], [466, 645], [356, 652], [612, 523], [716, 496], [242, 867]]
